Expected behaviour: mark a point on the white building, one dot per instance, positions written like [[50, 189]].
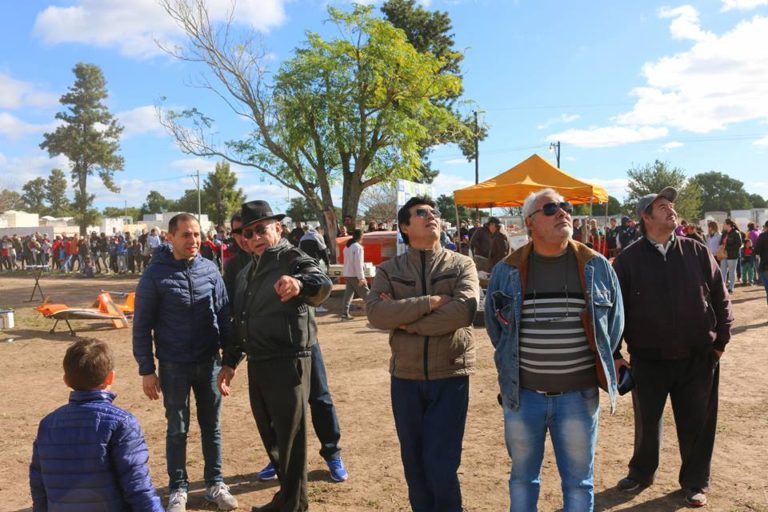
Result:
[[19, 219], [160, 221]]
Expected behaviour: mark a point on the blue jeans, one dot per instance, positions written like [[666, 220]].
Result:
[[728, 269], [571, 419], [430, 418], [176, 381], [324, 419]]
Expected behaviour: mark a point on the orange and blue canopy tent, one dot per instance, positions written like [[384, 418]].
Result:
[[511, 187]]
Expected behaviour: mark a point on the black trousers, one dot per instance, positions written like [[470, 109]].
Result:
[[692, 384], [279, 390]]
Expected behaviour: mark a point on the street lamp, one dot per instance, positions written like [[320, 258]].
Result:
[[554, 147]]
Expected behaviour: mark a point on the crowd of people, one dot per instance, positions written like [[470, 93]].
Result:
[[556, 311]]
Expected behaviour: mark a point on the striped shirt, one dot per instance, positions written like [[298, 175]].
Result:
[[554, 351]]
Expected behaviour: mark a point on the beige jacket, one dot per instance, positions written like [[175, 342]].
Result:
[[426, 344]]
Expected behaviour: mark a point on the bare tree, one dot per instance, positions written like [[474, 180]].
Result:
[[379, 203], [353, 111]]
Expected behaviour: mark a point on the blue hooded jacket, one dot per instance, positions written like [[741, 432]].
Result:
[[184, 306], [90, 455]]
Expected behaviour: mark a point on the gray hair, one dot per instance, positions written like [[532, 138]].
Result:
[[530, 201]]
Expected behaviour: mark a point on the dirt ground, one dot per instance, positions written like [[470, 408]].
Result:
[[356, 356]]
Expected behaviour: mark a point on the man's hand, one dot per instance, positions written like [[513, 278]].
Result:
[[435, 301], [618, 363], [225, 379], [361, 282], [287, 287], [151, 386], [718, 354]]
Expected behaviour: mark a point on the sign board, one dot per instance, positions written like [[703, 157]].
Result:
[[405, 191]]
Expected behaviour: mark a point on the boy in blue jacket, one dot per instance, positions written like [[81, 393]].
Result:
[[90, 455]]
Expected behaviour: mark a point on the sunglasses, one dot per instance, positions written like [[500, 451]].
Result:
[[258, 229], [423, 212], [550, 209]]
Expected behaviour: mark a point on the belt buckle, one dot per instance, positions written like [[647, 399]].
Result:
[[549, 393]]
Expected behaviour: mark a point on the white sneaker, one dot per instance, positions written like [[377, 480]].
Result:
[[177, 501], [219, 494]]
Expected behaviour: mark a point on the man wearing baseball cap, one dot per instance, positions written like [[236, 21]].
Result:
[[678, 322]]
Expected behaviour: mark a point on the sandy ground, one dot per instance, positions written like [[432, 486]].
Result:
[[356, 357]]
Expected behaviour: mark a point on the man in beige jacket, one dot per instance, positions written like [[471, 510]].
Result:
[[428, 297]]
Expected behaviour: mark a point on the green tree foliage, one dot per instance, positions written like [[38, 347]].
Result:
[[188, 202], [88, 137], [447, 207], [598, 210], [221, 196], [721, 192], [9, 200], [114, 211], [34, 196], [56, 194], [651, 178], [356, 110], [156, 203], [757, 201], [300, 210], [47, 196], [431, 32]]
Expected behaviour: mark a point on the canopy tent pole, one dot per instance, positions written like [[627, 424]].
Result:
[[458, 226]]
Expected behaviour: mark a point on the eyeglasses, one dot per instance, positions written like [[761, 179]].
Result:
[[258, 229], [423, 212], [550, 209]]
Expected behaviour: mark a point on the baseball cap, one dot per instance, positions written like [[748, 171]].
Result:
[[667, 193]]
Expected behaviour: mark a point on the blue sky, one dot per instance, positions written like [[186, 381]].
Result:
[[619, 84]]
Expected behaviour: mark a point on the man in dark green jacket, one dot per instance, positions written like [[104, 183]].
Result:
[[274, 324]]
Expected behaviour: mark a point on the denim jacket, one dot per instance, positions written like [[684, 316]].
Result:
[[603, 318]]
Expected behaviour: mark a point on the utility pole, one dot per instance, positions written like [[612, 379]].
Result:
[[477, 161], [196, 177], [555, 148], [125, 209], [199, 209]]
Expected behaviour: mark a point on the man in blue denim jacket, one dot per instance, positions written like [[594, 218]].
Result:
[[554, 314]]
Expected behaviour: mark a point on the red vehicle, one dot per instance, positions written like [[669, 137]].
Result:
[[379, 246]]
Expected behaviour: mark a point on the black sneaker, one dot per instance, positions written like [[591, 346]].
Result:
[[696, 497], [629, 484], [347, 316]]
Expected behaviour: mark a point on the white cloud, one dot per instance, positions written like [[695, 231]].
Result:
[[672, 145], [140, 120], [720, 81], [742, 5], [561, 119], [134, 192], [22, 169], [608, 136], [685, 23], [456, 161], [192, 165], [447, 183], [616, 187], [17, 94], [761, 142], [12, 127], [134, 26]]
